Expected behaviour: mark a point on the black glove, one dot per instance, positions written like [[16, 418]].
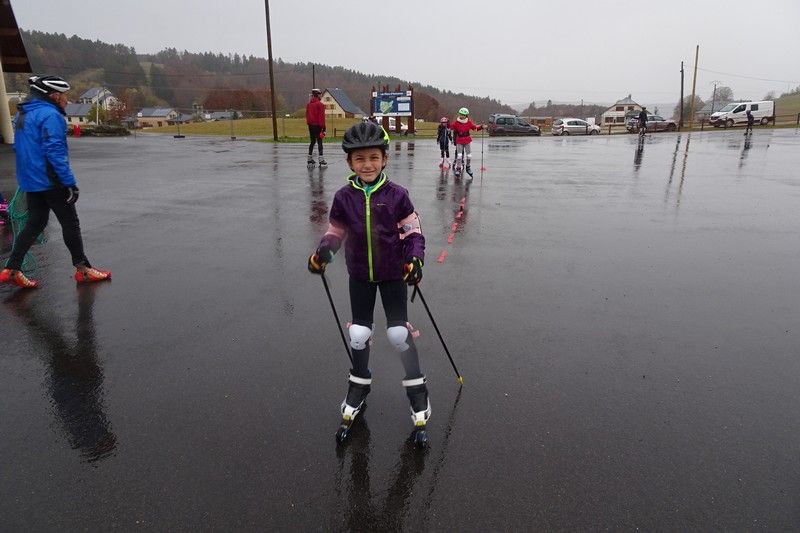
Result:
[[319, 260], [413, 271], [72, 194]]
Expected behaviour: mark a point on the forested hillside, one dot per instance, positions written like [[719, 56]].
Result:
[[217, 81]]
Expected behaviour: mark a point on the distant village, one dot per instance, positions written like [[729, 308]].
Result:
[[95, 105]]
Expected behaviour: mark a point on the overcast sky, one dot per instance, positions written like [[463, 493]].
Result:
[[513, 50]]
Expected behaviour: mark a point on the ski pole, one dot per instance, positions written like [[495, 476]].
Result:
[[336, 316], [483, 168], [459, 378]]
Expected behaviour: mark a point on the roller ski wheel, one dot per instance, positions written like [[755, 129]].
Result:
[[348, 419], [421, 438], [344, 431], [311, 163]]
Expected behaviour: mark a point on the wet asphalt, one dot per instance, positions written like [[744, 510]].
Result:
[[625, 318]]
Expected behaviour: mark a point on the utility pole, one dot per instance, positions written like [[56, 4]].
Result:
[[271, 76], [714, 95], [680, 120], [694, 86]]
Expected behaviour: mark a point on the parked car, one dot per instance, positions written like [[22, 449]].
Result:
[[392, 124], [574, 126], [736, 113], [502, 124], [654, 123]]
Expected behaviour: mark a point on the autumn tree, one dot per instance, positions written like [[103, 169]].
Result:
[[97, 114], [723, 94], [687, 107]]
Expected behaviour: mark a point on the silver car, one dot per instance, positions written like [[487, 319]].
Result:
[[574, 126]]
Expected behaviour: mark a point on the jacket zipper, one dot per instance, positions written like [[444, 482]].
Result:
[[367, 196]]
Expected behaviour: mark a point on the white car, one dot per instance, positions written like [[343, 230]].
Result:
[[392, 124], [574, 126]]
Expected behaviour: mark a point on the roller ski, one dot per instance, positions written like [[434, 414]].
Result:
[[322, 163], [357, 391], [417, 393], [469, 171], [445, 164], [457, 167], [311, 163]]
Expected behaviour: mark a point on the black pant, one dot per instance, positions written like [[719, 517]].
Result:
[[313, 132], [394, 298], [444, 147], [39, 206]]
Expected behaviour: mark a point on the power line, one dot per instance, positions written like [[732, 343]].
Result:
[[745, 77]]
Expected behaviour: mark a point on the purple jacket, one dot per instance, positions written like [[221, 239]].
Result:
[[380, 229]]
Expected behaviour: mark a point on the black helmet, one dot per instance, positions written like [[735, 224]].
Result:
[[48, 84], [316, 91], [365, 135]]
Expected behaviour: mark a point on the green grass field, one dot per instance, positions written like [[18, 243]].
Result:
[[289, 129], [788, 105], [295, 129]]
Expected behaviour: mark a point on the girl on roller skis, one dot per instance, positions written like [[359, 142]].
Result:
[[461, 131], [384, 250], [443, 139]]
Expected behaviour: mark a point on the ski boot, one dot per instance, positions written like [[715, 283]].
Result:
[[417, 394], [15, 277], [469, 171], [357, 391], [311, 163], [322, 162]]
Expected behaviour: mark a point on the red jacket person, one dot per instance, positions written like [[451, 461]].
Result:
[[315, 119]]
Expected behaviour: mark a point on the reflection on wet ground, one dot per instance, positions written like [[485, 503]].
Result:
[[406, 503], [74, 380], [627, 335]]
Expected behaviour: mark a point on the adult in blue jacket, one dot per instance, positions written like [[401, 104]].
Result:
[[44, 174]]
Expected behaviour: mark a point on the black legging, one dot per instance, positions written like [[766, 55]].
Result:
[[39, 206], [444, 147], [313, 132], [394, 296]]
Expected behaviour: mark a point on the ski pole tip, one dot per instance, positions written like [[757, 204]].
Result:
[[460, 380]]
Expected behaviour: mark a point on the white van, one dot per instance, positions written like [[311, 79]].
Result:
[[736, 113], [392, 123]]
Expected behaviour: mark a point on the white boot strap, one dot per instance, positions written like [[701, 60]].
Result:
[[360, 381], [414, 382]]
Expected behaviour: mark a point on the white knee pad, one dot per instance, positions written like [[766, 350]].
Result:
[[397, 337], [359, 336]]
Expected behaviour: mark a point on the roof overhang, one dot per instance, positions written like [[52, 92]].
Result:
[[12, 49]]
